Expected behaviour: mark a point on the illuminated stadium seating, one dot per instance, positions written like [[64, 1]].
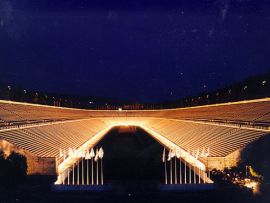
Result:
[[42, 130]]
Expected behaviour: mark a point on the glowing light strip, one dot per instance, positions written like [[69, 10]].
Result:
[[184, 154], [72, 159], [90, 110]]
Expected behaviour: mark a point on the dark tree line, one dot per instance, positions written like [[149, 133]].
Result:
[[13, 171], [256, 154], [251, 88]]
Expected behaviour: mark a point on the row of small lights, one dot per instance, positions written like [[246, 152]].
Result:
[[263, 83], [9, 88], [245, 87]]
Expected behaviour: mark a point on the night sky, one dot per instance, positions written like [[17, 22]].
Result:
[[136, 50]]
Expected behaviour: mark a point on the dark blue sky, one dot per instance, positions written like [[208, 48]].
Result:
[[136, 50]]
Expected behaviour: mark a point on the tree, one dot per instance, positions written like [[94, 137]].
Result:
[[4, 169], [18, 167]]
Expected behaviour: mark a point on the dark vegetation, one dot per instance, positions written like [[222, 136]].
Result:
[[251, 88], [13, 170], [257, 155]]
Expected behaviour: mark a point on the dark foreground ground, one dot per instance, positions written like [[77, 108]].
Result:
[[132, 165]]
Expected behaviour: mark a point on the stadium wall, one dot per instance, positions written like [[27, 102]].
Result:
[[35, 165], [223, 162]]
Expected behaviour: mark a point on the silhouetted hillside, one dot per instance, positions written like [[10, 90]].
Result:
[[251, 88]]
